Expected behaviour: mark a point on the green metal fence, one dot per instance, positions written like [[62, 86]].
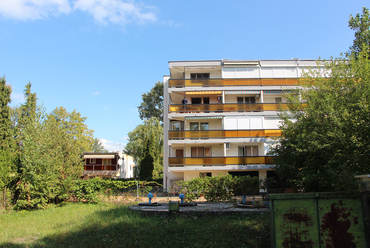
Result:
[[317, 220]]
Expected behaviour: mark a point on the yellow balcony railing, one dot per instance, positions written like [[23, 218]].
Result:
[[227, 107], [220, 161], [223, 133], [231, 82]]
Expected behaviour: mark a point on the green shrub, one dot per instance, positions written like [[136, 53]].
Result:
[[88, 190], [220, 188]]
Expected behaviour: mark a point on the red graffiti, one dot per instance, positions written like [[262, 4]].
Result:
[[334, 226]]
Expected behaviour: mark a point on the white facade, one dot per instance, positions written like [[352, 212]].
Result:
[[231, 117], [127, 166]]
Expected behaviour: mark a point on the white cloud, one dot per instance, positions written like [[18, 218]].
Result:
[[103, 11], [115, 11], [111, 145], [17, 98], [96, 93], [107, 108], [33, 9]]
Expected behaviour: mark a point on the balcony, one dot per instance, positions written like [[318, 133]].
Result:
[[232, 82], [223, 134], [219, 161], [227, 107], [101, 170]]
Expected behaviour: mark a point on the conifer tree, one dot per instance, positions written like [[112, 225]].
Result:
[[7, 167], [5, 121], [147, 164]]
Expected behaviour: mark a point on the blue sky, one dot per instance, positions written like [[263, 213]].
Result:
[[100, 56]]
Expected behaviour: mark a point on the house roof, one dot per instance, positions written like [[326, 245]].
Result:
[[100, 155]]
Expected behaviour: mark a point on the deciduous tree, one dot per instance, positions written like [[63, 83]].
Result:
[[152, 103], [151, 132], [361, 25], [328, 141]]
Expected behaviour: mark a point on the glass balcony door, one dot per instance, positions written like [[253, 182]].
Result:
[[199, 152], [248, 151]]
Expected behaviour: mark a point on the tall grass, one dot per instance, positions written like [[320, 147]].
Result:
[[109, 225]]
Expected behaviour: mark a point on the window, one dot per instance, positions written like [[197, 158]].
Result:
[[179, 153], [199, 75], [177, 125], [92, 160], [248, 151], [244, 173], [195, 126], [196, 100], [278, 100], [196, 152], [248, 99], [205, 174], [107, 161], [199, 152]]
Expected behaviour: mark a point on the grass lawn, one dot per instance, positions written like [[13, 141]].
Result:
[[112, 225]]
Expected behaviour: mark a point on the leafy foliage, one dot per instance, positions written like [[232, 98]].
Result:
[[146, 165], [98, 146], [50, 153], [219, 188], [152, 103], [88, 190], [361, 25], [147, 136], [328, 141], [72, 124]]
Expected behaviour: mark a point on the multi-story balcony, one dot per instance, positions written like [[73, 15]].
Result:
[[232, 82], [219, 161], [227, 107], [223, 133]]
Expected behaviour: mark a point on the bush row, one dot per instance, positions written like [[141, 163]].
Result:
[[220, 188]]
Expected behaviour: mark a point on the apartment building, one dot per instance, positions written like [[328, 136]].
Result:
[[221, 116]]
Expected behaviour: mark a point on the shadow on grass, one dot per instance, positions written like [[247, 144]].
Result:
[[120, 227]]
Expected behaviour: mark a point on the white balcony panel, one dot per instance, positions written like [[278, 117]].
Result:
[[253, 72], [256, 123], [267, 72], [228, 72], [279, 72], [241, 72], [291, 72], [230, 123], [243, 123], [271, 123]]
